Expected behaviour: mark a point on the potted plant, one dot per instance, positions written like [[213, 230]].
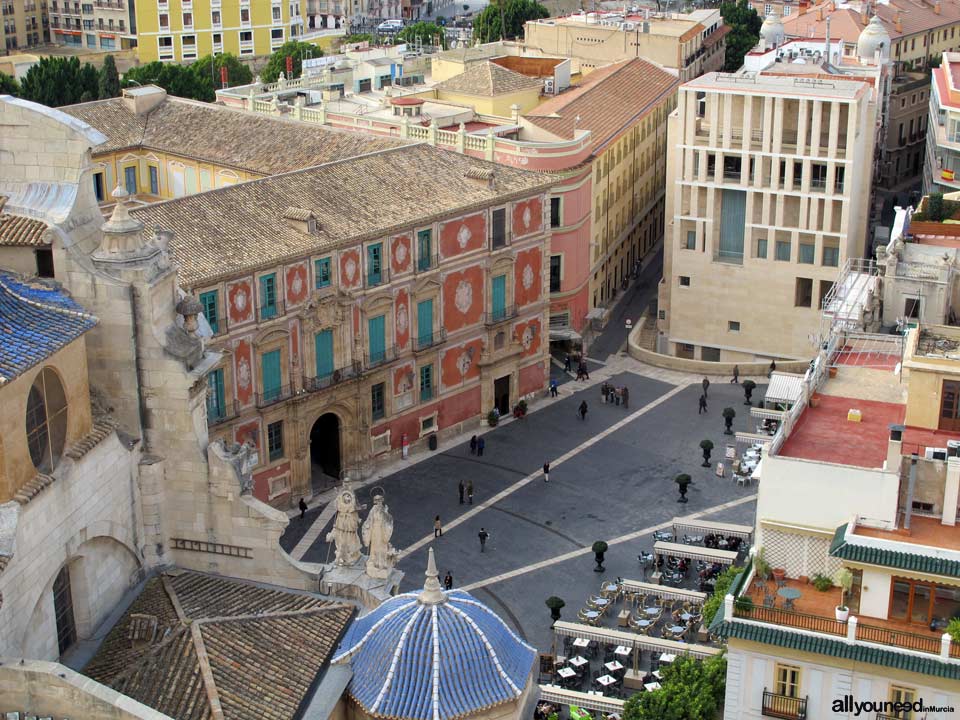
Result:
[[953, 629], [748, 387], [522, 405], [761, 566], [743, 604], [706, 446], [778, 574], [493, 418], [599, 548], [682, 480], [844, 579], [555, 604], [728, 415], [821, 582]]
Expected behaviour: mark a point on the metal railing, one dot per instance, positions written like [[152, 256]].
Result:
[[274, 396], [228, 410], [784, 706], [376, 279], [271, 312], [422, 342], [427, 263], [372, 360], [791, 618], [321, 382], [500, 315]]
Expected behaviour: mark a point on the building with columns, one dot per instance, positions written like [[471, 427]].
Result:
[[769, 184]]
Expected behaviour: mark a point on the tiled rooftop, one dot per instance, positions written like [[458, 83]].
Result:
[[487, 79], [823, 433], [848, 23], [227, 137], [18, 230], [37, 319], [263, 647], [923, 531], [221, 233]]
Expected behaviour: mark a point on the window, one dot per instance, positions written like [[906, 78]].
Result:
[[786, 680], [803, 293], [98, 186], [187, 20], [376, 333], [130, 179], [189, 43], [684, 281], [375, 264], [271, 376], [46, 420], [275, 440], [44, 260], [154, 180], [426, 383], [244, 17], [215, 18], [276, 34], [276, 14], [807, 252], [902, 695], [767, 9], [425, 323], [377, 409], [63, 610], [209, 302], [825, 287], [498, 228], [424, 249], [323, 345], [215, 407], [555, 217], [783, 250], [710, 354], [761, 247], [322, 271], [921, 602], [911, 308], [831, 256], [950, 406], [268, 296], [786, 10], [499, 297], [690, 243], [555, 272], [733, 325], [218, 38]]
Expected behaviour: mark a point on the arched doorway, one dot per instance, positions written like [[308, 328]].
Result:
[[325, 449]]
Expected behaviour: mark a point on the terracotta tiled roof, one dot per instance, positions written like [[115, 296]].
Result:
[[847, 23], [488, 79], [228, 137], [221, 233], [255, 650], [19, 230], [608, 101]]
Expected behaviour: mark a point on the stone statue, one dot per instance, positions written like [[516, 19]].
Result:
[[376, 532], [344, 534]]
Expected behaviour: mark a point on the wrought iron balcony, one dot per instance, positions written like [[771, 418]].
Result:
[[372, 360], [784, 706], [500, 315], [273, 396], [422, 342], [227, 410], [321, 382]]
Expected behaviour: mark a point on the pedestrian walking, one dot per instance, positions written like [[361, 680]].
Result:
[[437, 529], [773, 366], [583, 369], [470, 492], [553, 388], [483, 535], [566, 362], [473, 445], [481, 444], [303, 508], [448, 581], [460, 489], [583, 410], [546, 472], [626, 397], [706, 386], [703, 404], [736, 375], [616, 396]]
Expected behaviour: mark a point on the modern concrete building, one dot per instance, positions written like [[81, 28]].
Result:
[[860, 486], [103, 25], [25, 24], [688, 44], [768, 197]]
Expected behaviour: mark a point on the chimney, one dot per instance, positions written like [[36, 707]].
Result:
[[897, 24], [936, 7], [143, 99], [911, 484], [481, 175], [865, 13], [301, 220], [894, 448], [819, 13]]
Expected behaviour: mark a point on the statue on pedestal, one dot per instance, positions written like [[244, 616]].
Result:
[[344, 534], [376, 533]]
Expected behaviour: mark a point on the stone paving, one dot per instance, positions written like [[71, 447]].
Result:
[[611, 479]]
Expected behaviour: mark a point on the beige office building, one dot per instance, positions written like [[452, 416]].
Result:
[[25, 25], [768, 195]]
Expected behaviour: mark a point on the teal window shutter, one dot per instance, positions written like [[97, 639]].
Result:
[[209, 302], [423, 250], [215, 405], [425, 323], [268, 296], [374, 264], [499, 297], [322, 268], [270, 365], [426, 383], [376, 333], [324, 346]]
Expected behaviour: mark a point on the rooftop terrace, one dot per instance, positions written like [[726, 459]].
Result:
[[926, 531]]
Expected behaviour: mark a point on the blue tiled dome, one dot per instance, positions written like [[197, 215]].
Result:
[[434, 655]]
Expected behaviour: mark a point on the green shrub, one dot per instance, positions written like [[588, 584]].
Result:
[[821, 582], [721, 587]]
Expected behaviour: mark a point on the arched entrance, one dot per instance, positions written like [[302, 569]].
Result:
[[325, 449]]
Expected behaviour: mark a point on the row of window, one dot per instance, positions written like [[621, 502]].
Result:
[[216, 18], [806, 252], [803, 294], [787, 680]]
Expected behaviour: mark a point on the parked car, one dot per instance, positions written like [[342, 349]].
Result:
[[390, 26]]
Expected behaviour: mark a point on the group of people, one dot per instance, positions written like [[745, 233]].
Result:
[[615, 395], [582, 372], [477, 444]]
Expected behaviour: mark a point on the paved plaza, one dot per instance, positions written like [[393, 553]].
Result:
[[611, 479]]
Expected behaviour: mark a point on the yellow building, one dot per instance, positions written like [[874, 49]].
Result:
[[25, 24], [184, 30]]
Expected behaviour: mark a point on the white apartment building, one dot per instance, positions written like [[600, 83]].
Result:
[[863, 475], [769, 179], [941, 171]]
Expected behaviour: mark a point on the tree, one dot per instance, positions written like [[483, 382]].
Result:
[[356, 38], [277, 63], [506, 19], [237, 72], [744, 32], [9, 85], [720, 587], [109, 78], [58, 81], [691, 689], [177, 80], [427, 33]]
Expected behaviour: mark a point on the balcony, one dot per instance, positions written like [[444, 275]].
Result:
[[227, 411], [373, 360], [322, 382], [784, 706], [246, 47], [500, 315], [274, 396], [375, 279], [425, 264], [427, 341], [267, 312]]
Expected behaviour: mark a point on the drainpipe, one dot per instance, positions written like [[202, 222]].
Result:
[[911, 483]]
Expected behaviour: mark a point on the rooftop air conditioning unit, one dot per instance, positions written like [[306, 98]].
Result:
[[548, 86], [939, 453]]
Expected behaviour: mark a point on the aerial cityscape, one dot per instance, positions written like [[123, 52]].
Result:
[[480, 360]]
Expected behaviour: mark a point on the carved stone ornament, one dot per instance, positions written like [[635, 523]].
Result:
[[324, 310]]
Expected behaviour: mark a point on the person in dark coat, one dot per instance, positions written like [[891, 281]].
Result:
[[483, 535], [625, 394], [703, 404], [460, 490], [303, 508], [546, 472], [553, 388], [583, 410], [566, 362], [473, 445], [470, 492], [481, 444], [773, 366], [448, 581], [437, 527], [736, 375], [706, 386]]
